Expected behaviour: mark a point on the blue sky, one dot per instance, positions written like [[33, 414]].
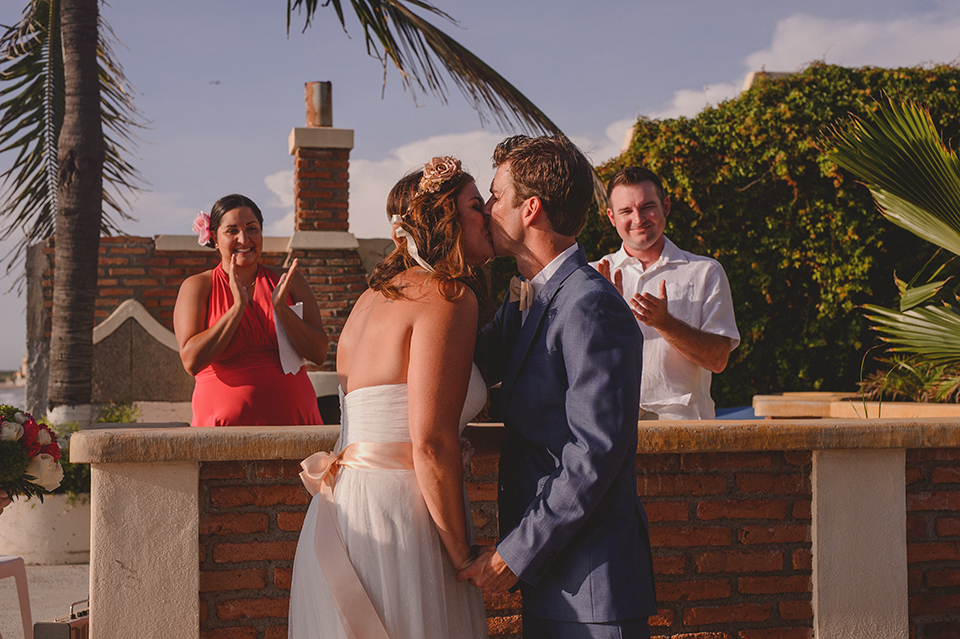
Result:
[[221, 84]]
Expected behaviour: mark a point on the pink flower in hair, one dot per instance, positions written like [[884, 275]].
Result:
[[436, 172], [201, 226]]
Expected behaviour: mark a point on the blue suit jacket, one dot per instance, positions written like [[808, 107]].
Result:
[[571, 524]]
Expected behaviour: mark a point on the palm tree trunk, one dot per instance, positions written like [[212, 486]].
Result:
[[79, 195]]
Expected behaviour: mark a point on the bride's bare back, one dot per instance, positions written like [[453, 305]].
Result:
[[374, 346]]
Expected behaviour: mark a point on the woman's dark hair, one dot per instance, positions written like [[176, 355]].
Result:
[[433, 219], [225, 204]]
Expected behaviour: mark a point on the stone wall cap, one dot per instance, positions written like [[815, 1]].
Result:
[[177, 444], [796, 434], [846, 406], [321, 137], [322, 240], [133, 445], [189, 243]]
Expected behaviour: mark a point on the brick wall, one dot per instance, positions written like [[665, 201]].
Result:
[[337, 279], [731, 540], [250, 519], [320, 189], [730, 534], [132, 268], [933, 542]]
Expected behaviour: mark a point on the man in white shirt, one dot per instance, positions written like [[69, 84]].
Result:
[[681, 301]]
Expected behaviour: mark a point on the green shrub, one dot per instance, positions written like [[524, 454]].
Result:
[[76, 476], [800, 240]]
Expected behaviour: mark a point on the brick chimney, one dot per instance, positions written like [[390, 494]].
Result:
[[321, 179]]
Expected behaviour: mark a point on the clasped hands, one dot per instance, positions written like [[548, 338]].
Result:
[[488, 572]]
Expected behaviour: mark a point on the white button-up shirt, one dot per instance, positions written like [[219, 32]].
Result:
[[698, 294], [541, 278]]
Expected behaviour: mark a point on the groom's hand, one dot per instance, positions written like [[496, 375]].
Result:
[[489, 572]]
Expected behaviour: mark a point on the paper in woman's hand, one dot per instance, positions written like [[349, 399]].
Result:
[[290, 359]]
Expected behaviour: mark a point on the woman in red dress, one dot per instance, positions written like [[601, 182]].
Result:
[[225, 322]]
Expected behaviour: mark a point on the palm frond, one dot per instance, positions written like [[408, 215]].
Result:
[[914, 178], [911, 296], [932, 332], [419, 50], [31, 115]]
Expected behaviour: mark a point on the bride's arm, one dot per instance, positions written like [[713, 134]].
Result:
[[441, 355]]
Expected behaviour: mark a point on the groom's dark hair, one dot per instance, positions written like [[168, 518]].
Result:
[[554, 170]]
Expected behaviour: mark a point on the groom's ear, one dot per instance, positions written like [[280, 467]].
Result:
[[532, 211]]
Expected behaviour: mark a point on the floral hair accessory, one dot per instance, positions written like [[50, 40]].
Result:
[[436, 172], [201, 226]]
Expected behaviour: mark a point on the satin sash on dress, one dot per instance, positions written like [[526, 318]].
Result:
[[357, 614]]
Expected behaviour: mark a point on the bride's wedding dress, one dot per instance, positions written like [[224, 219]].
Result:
[[388, 534]]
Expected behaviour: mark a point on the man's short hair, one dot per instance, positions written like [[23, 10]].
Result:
[[636, 175], [553, 169]]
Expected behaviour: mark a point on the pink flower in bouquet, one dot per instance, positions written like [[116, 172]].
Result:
[[201, 226], [29, 438], [48, 442]]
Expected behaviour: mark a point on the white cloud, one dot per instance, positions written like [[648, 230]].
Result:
[[689, 102], [599, 151], [801, 38], [281, 186]]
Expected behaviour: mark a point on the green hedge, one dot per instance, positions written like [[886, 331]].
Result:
[[800, 240]]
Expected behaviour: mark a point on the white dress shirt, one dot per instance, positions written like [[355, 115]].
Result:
[[698, 294], [541, 278]]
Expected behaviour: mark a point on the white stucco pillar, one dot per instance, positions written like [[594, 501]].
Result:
[[859, 544], [144, 560]]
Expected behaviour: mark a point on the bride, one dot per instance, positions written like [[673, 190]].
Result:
[[388, 526]]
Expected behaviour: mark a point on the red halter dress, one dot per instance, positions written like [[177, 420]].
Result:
[[246, 385]]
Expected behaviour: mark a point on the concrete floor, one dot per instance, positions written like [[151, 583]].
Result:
[[52, 590]]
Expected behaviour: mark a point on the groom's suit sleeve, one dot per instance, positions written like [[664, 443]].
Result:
[[601, 351]]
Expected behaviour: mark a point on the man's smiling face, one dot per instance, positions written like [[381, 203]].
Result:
[[639, 216]]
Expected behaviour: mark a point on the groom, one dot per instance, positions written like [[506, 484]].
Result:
[[573, 532]]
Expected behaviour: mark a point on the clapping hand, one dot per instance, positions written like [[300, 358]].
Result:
[[282, 290], [241, 296], [650, 310], [616, 280]]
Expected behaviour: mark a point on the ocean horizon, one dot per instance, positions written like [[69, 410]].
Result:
[[16, 396]]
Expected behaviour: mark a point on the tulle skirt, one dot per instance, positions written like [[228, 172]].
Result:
[[394, 546]]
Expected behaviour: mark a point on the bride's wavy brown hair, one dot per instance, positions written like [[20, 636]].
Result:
[[433, 220]]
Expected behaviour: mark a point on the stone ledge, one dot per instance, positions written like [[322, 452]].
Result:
[[322, 240], [846, 406], [297, 442], [182, 443], [319, 138], [796, 434], [271, 244]]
